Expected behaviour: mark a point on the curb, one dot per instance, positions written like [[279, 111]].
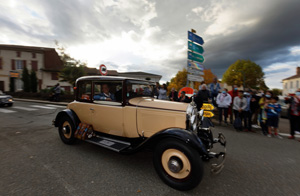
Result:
[[41, 101]]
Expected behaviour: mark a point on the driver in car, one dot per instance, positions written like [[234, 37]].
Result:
[[105, 95]]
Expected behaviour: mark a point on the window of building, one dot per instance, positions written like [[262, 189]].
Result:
[[34, 66], [19, 64], [33, 55], [54, 76], [291, 84], [286, 86], [18, 54], [297, 84], [0, 63]]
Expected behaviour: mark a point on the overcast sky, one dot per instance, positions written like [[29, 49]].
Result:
[[151, 35]]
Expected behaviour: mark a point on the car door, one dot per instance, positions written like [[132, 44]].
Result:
[[83, 105], [107, 115]]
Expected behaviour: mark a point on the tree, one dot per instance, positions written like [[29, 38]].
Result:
[[208, 76], [33, 81], [178, 81], [26, 80], [276, 91], [244, 71], [72, 70]]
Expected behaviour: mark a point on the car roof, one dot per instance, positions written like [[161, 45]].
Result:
[[109, 78]]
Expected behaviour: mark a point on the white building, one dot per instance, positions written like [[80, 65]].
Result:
[[291, 84], [44, 61]]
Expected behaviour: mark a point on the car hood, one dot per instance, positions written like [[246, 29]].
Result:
[[158, 104]]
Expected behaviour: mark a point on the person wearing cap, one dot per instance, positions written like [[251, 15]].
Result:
[[183, 97]]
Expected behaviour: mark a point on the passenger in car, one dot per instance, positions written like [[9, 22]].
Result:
[[105, 95]]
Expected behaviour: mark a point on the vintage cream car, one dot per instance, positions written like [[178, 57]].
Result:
[[121, 114]]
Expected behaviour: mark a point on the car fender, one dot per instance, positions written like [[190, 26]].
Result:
[[183, 135], [67, 112]]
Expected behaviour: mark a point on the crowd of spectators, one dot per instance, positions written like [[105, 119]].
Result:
[[245, 109]]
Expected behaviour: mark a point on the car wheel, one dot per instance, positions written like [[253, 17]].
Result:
[[178, 164], [10, 104], [66, 130]]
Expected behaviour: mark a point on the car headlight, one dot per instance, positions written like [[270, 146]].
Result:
[[189, 109], [10, 100]]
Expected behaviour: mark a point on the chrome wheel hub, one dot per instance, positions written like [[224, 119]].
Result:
[[175, 165]]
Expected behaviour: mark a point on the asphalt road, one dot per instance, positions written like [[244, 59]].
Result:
[[33, 161]]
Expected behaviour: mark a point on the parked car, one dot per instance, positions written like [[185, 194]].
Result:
[[6, 99], [122, 115]]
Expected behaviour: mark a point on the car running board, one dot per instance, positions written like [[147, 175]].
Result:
[[112, 144]]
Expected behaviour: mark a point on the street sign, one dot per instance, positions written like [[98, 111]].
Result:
[[195, 78], [195, 38], [195, 71], [195, 65], [195, 57], [195, 47], [14, 74], [188, 91], [103, 70]]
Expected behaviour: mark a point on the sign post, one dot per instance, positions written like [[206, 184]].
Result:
[[195, 58]]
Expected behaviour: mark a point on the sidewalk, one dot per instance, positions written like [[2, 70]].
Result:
[[41, 101], [257, 130]]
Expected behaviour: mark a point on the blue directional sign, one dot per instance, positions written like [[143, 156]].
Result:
[[195, 47], [195, 57], [195, 38]]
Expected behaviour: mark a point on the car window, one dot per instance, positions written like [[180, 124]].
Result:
[[107, 91], [139, 89], [85, 91]]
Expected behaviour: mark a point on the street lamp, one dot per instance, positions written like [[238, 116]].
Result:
[[243, 77]]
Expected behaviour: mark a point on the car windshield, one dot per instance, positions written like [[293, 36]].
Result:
[[139, 89]]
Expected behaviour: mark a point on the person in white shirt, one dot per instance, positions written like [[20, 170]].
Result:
[[223, 101]]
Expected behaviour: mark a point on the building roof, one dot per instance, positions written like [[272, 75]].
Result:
[[52, 61], [24, 48], [292, 77]]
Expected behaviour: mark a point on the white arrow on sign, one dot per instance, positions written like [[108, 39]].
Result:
[[195, 78], [195, 71]]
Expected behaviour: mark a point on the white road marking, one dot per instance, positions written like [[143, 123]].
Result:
[[43, 107], [23, 108], [287, 135], [57, 106], [6, 111]]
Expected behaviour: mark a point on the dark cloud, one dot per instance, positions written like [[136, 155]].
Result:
[[265, 43]]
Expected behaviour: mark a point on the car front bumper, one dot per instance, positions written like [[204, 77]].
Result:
[[219, 157]]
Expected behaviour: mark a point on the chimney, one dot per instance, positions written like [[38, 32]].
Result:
[[298, 71]]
